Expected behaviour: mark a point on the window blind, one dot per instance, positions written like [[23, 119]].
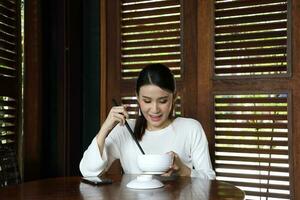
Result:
[[251, 38], [150, 33], [252, 138], [9, 69]]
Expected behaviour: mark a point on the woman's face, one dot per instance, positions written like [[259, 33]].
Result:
[[156, 105]]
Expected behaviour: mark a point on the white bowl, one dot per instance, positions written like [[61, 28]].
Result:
[[154, 163]]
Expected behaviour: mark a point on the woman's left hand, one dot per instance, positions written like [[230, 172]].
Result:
[[177, 167]]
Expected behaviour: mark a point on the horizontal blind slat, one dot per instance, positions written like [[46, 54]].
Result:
[[251, 44], [158, 19], [256, 108], [246, 28], [251, 142], [251, 19], [252, 117], [253, 150], [233, 4], [151, 58], [252, 100], [151, 13], [154, 35], [252, 125], [251, 133], [145, 5], [151, 50], [154, 27], [253, 176], [8, 12], [252, 167], [146, 44], [251, 52], [251, 10], [247, 36], [232, 70]]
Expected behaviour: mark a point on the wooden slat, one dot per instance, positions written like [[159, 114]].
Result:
[[9, 13], [158, 19], [234, 70], [254, 150], [6, 45], [252, 100], [252, 125], [246, 36], [233, 4], [254, 134], [146, 5], [254, 44], [140, 66], [8, 4], [8, 55], [150, 13], [251, 10], [252, 167], [167, 41], [251, 19], [7, 29], [252, 117], [252, 176], [10, 65], [250, 108], [7, 128], [5, 71], [7, 37], [8, 21], [251, 142], [135, 74], [257, 60], [251, 159], [154, 36], [257, 27], [251, 52], [151, 50], [156, 27], [151, 58]]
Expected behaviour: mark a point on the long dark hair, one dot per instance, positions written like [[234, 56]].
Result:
[[153, 74]]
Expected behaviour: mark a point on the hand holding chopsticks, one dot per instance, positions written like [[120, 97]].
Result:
[[130, 131]]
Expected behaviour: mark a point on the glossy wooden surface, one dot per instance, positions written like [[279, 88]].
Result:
[[71, 188]]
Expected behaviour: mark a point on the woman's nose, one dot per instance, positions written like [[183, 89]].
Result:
[[155, 107]]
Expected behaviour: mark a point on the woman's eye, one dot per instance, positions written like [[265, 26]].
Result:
[[147, 101], [163, 101]]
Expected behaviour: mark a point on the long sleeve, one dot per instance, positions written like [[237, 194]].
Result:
[[200, 155], [92, 163]]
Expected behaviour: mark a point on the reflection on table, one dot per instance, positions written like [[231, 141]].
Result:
[[72, 188]]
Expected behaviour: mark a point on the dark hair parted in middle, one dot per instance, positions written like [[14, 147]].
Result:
[[153, 74]]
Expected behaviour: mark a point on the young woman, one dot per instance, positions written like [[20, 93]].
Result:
[[157, 130]]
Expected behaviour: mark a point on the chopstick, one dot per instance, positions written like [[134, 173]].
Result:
[[130, 130]]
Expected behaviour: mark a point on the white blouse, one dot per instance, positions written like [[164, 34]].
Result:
[[184, 136]]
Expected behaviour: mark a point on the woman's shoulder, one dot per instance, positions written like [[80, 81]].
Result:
[[184, 121]]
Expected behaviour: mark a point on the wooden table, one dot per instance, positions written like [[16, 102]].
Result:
[[71, 188]]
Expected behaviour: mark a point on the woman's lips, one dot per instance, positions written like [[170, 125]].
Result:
[[155, 118]]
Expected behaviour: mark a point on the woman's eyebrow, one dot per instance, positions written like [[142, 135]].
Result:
[[164, 97]]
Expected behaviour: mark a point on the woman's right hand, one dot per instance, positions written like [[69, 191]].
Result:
[[117, 114]]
